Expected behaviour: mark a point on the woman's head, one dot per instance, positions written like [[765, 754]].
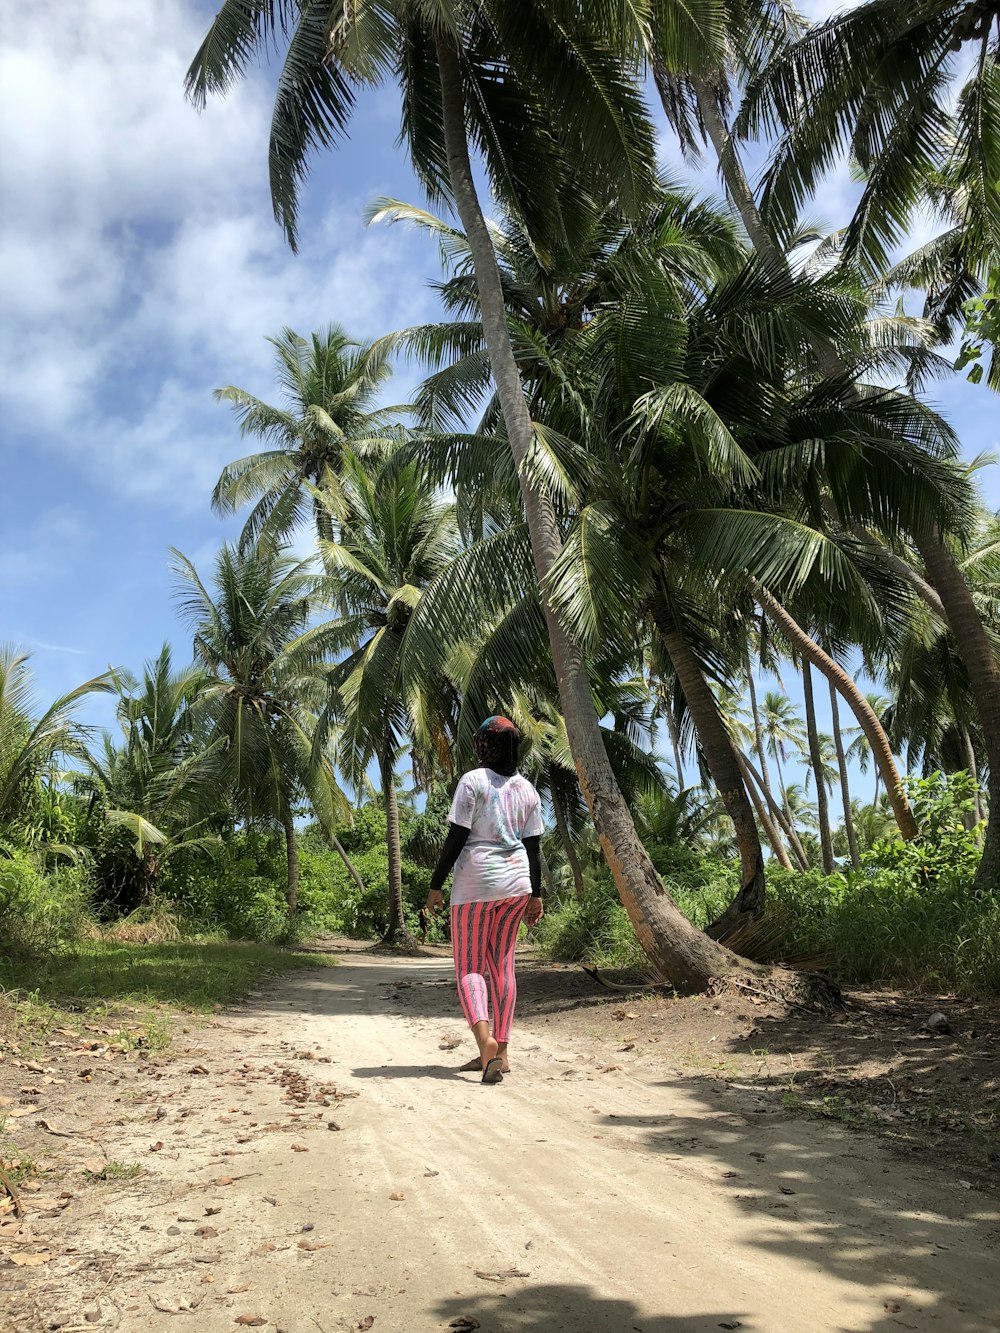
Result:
[[496, 744]]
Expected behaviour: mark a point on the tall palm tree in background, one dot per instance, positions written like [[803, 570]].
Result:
[[559, 120], [393, 534], [842, 772], [267, 688], [329, 384], [819, 771]]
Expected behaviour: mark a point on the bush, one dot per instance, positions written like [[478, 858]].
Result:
[[40, 908]]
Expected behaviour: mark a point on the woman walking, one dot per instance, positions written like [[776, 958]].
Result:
[[493, 843]]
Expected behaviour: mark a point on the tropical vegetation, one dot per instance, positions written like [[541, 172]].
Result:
[[672, 469]]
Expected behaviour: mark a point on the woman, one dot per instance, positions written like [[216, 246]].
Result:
[[494, 828]]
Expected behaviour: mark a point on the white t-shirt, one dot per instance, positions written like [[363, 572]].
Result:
[[498, 812]]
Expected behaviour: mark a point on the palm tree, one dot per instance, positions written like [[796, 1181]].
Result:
[[328, 385], [393, 534], [832, 86], [30, 747], [479, 71], [160, 783], [911, 95], [266, 688]]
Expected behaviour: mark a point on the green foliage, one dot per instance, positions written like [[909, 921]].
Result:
[[908, 917], [982, 333], [596, 929], [39, 908], [945, 852]]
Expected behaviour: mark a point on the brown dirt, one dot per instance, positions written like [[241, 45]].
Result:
[[652, 1164]]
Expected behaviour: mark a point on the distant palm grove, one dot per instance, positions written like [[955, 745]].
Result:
[[674, 466]]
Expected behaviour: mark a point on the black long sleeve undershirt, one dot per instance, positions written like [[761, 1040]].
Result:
[[456, 840], [453, 844]]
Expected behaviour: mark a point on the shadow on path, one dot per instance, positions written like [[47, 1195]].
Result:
[[562, 1308]]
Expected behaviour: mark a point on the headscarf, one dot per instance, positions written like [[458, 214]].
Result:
[[496, 744]]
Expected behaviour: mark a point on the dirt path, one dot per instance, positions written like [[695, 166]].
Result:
[[622, 1200]]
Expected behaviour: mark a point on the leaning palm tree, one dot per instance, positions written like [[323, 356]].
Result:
[[266, 688], [30, 745], [560, 123], [328, 385]]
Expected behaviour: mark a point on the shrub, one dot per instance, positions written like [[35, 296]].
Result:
[[40, 908]]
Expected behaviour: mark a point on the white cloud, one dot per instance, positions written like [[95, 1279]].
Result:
[[141, 267]]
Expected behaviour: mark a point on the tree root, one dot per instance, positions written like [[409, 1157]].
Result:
[[809, 992], [401, 943]]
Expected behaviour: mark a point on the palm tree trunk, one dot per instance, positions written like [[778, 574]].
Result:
[[816, 760], [758, 730], [759, 799], [565, 839], [351, 868], [984, 679], [550, 883], [723, 765], [737, 185], [678, 952], [973, 770], [845, 790], [786, 815], [396, 932], [675, 742], [870, 725], [779, 814], [292, 864]]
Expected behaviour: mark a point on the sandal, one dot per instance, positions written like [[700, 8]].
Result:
[[492, 1073]]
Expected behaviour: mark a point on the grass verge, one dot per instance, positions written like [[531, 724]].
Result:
[[134, 985]]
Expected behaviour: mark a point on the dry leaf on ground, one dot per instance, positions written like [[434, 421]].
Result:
[[30, 1260], [398, 1196], [501, 1276], [250, 1320], [314, 1244], [367, 1322]]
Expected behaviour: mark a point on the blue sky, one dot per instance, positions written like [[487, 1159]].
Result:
[[140, 269]]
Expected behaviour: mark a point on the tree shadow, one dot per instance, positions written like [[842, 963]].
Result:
[[406, 1071], [837, 1203], [565, 1308]]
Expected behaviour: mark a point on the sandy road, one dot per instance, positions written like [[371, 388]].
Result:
[[626, 1200]]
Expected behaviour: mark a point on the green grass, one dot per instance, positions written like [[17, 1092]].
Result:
[[116, 1171], [185, 975]]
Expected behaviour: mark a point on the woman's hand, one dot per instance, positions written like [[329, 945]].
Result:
[[534, 912], [435, 899]]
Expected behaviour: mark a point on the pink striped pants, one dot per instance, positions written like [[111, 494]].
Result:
[[482, 938]]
